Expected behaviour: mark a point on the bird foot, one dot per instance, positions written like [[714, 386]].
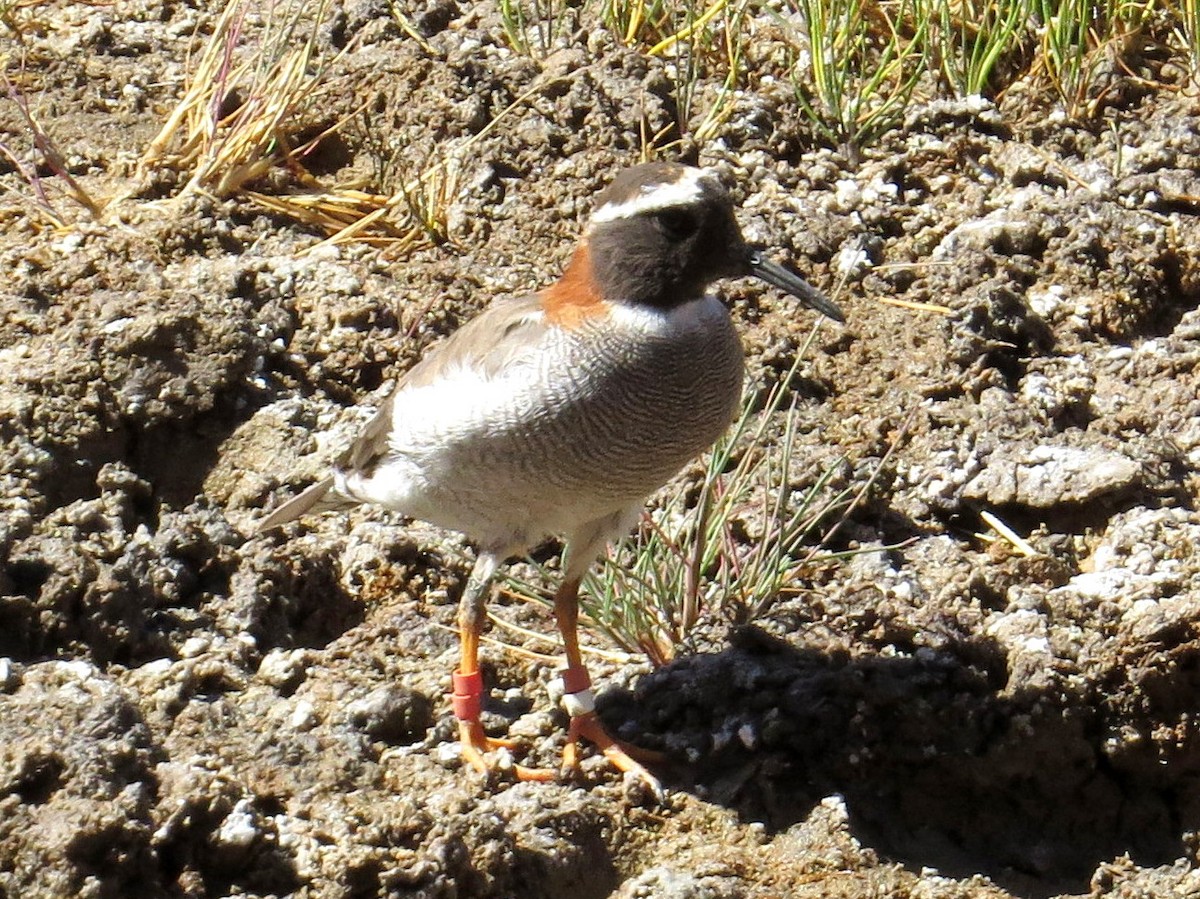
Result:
[[467, 701], [476, 747], [626, 758]]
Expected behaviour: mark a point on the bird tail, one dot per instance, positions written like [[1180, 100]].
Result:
[[320, 497]]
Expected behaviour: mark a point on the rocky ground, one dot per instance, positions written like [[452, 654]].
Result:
[[188, 710]]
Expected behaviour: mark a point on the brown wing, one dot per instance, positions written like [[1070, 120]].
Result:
[[488, 343]]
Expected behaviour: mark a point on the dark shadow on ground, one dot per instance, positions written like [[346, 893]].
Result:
[[938, 764]]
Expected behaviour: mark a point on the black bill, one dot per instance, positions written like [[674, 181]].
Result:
[[778, 276]]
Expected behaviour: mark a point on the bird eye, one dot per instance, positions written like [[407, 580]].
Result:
[[676, 224]]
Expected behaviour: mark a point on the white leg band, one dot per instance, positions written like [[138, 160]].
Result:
[[581, 703]]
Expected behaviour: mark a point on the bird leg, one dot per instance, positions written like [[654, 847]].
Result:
[[580, 703], [467, 699]]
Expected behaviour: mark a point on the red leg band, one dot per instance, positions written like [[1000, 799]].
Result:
[[467, 700], [467, 684], [467, 708], [575, 680]]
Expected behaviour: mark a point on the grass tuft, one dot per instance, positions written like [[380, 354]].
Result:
[[244, 128], [974, 41], [52, 158], [535, 27], [1186, 32], [857, 65], [416, 214], [243, 108]]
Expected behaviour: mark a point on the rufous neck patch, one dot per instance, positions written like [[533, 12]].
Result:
[[574, 298]]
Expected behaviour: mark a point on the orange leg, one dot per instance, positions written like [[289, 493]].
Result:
[[468, 681], [579, 703]]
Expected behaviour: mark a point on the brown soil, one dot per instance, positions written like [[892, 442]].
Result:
[[188, 711]]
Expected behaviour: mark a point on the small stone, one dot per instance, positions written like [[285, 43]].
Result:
[[448, 755], [77, 669], [304, 716], [531, 726], [240, 828], [748, 736], [392, 714], [284, 668], [194, 646], [663, 882], [9, 679], [1046, 476]]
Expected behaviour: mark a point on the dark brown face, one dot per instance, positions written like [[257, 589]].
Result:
[[661, 234]]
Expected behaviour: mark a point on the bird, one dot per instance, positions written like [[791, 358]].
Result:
[[558, 413]]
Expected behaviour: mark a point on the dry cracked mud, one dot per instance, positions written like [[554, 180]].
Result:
[[187, 710]]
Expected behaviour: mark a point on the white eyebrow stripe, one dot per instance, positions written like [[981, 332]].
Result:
[[684, 192]]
